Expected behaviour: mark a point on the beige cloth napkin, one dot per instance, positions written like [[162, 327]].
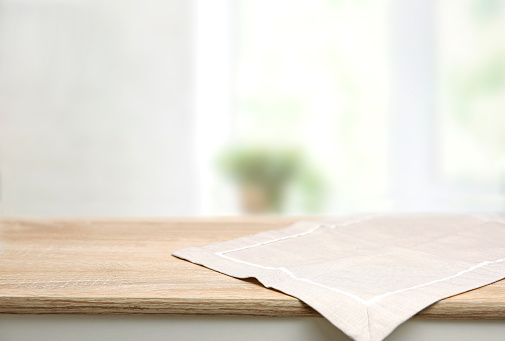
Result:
[[367, 274]]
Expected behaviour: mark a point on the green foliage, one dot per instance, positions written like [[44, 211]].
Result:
[[261, 166], [274, 170]]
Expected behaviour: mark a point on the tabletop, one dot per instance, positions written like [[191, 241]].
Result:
[[125, 266]]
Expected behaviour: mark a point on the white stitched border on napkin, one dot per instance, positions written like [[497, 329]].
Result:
[[367, 303]]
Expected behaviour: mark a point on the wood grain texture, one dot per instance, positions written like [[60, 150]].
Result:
[[124, 266]]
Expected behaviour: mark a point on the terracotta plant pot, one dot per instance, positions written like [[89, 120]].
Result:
[[260, 199]]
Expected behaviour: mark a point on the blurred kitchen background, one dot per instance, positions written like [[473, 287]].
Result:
[[215, 107]]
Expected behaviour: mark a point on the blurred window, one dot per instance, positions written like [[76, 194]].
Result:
[[399, 105], [471, 84]]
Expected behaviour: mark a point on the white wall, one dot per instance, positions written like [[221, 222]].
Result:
[[96, 107]]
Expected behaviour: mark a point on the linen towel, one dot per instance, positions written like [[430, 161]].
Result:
[[367, 273]]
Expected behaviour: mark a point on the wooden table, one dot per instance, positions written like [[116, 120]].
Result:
[[124, 266]]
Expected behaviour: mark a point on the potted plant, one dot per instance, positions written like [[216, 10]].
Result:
[[263, 175]]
